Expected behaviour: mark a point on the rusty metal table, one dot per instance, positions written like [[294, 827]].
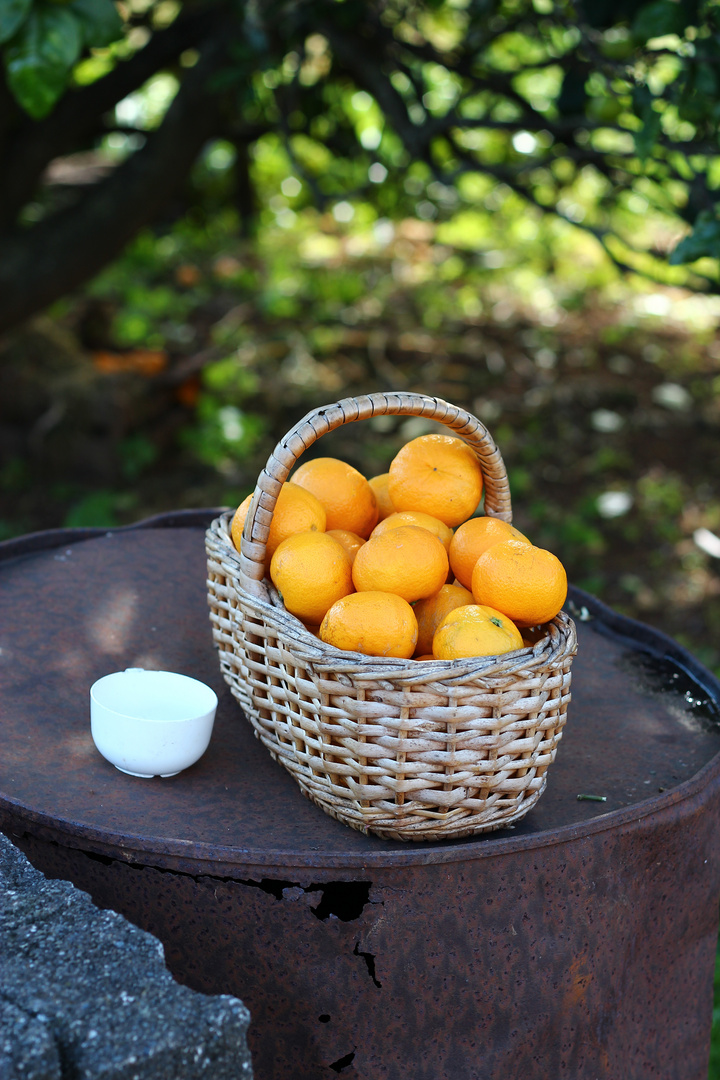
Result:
[[579, 944]]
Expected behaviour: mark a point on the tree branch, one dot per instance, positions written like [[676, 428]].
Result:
[[29, 149], [368, 73], [603, 236], [39, 265]]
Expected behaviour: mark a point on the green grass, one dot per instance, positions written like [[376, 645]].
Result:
[[714, 1070]]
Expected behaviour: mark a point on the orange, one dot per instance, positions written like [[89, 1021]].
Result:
[[415, 517], [431, 612], [295, 511], [408, 561], [425, 656], [311, 571], [349, 540], [379, 484], [348, 499], [474, 537], [373, 623], [238, 521], [439, 475], [475, 630], [525, 582]]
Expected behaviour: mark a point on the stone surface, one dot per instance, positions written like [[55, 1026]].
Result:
[[27, 1045], [86, 994]]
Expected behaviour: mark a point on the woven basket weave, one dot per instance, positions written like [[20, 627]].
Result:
[[402, 749]]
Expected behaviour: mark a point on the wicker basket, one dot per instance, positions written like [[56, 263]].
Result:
[[402, 749]]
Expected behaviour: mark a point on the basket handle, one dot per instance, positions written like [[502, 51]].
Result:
[[318, 423]]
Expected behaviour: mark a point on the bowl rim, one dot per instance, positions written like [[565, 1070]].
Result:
[[111, 711]]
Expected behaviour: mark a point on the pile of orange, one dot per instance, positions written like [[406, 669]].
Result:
[[403, 564]]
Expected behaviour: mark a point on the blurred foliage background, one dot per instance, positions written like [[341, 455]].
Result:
[[216, 215], [510, 204]]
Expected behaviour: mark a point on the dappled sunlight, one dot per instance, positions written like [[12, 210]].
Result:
[[109, 626], [74, 664], [79, 745], [153, 660]]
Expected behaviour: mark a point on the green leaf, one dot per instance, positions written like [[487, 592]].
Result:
[[646, 136], [706, 82], [39, 58], [100, 21], [657, 19], [703, 241], [94, 510], [12, 15]]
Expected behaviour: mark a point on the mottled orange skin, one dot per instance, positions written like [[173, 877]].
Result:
[[475, 630], [472, 539], [349, 540], [431, 612], [438, 475], [372, 623], [415, 517], [311, 571], [296, 510], [526, 583], [408, 561], [379, 484], [347, 496]]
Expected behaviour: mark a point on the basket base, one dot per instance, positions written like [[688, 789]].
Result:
[[450, 831], [418, 825]]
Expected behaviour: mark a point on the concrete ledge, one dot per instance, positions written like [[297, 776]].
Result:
[[85, 994]]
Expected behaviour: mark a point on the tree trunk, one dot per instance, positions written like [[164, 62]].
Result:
[[43, 263]]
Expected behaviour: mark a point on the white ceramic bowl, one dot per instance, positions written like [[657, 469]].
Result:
[[150, 723]]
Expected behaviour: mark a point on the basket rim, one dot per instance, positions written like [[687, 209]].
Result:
[[560, 641]]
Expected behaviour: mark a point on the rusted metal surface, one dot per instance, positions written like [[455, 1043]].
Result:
[[579, 944]]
